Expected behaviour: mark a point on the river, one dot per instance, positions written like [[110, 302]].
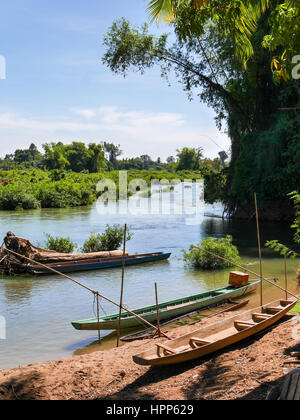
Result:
[[38, 310]]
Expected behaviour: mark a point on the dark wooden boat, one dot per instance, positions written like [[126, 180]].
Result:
[[217, 336], [98, 263]]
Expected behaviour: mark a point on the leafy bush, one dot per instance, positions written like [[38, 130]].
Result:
[[60, 244], [30, 189], [109, 240], [222, 247], [16, 199]]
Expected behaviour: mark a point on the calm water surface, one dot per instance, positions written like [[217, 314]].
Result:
[[38, 310]]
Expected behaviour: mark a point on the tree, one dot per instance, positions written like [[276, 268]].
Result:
[[75, 156], [147, 161], [113, 152], [283, 249], [78, 156], [28, 157], [239, 20], [54, 156], [188, 159], [97, 159], [246, 100], [171, 160]]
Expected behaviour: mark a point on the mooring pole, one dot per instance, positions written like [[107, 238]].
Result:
[[122, 286], [259, 252], [157, 307], [98, 317], [285, 277]]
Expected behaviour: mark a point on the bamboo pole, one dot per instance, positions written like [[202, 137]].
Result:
[[82, 285], [285, 276], [157, 307], [122, 286], [98, 318], [246, 269], [259, 251]]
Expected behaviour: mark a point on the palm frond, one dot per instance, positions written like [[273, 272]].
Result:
[[161, 10], [250, 13], [242, 27]]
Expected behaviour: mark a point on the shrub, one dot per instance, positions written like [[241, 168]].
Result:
[[60, 244], [109, 240], [16, 199], [222, 247]]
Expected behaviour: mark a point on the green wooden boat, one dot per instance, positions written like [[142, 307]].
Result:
[[167, 310]]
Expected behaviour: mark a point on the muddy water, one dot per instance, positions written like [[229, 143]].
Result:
[[38, 310]]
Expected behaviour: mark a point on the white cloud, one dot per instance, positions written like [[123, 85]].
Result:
[[120, 119], [138, 132]]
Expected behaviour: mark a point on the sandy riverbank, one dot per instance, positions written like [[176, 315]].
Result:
[[249, 370]]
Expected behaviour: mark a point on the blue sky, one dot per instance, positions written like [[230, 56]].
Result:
[[57, 89]]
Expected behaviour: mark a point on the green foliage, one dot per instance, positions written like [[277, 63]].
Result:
[[238, 20], [268, 164], [280, 248], [76, 157], [31, 189], [189, 159], [60, 244], [265, 141], [109, 240], [14, 198], [296, 309], [222, 247]]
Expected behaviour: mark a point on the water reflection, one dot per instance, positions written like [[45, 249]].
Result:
[[39, 310], [17, 291]]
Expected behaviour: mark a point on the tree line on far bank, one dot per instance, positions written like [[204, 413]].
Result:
[[92, 158]]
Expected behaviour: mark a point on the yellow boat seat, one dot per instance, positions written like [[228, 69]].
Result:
[[197, 342], [242, 325], [167, 351]]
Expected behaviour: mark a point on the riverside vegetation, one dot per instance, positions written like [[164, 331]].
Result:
[[108, 240], [33, 189], [67, 175], [237, 57], [222, 247]]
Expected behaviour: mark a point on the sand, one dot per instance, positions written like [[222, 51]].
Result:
[[251, 370]]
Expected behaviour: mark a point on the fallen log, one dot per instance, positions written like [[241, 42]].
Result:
[[10, 264], [45, 257]]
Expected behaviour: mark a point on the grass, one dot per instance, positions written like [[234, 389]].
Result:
[[296, 309]]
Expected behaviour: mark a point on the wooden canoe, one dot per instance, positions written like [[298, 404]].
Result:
[[149, 332], [98, 263], [217, 336], [167, 310]]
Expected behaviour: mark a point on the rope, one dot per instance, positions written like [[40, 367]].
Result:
[[98, 318], [82, 285], [249, 271]]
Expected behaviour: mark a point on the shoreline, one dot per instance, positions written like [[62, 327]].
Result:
[[250, 369]]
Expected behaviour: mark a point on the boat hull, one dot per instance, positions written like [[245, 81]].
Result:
[[167, 310], [100, 263], [218, 329]]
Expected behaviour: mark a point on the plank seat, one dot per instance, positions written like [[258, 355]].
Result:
[[242, 325], [167, 351], [273, 309], [285, 302], [197, 342], [258, 316]]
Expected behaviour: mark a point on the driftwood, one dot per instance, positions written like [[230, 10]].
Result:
[[47, 258], [10, 264]]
